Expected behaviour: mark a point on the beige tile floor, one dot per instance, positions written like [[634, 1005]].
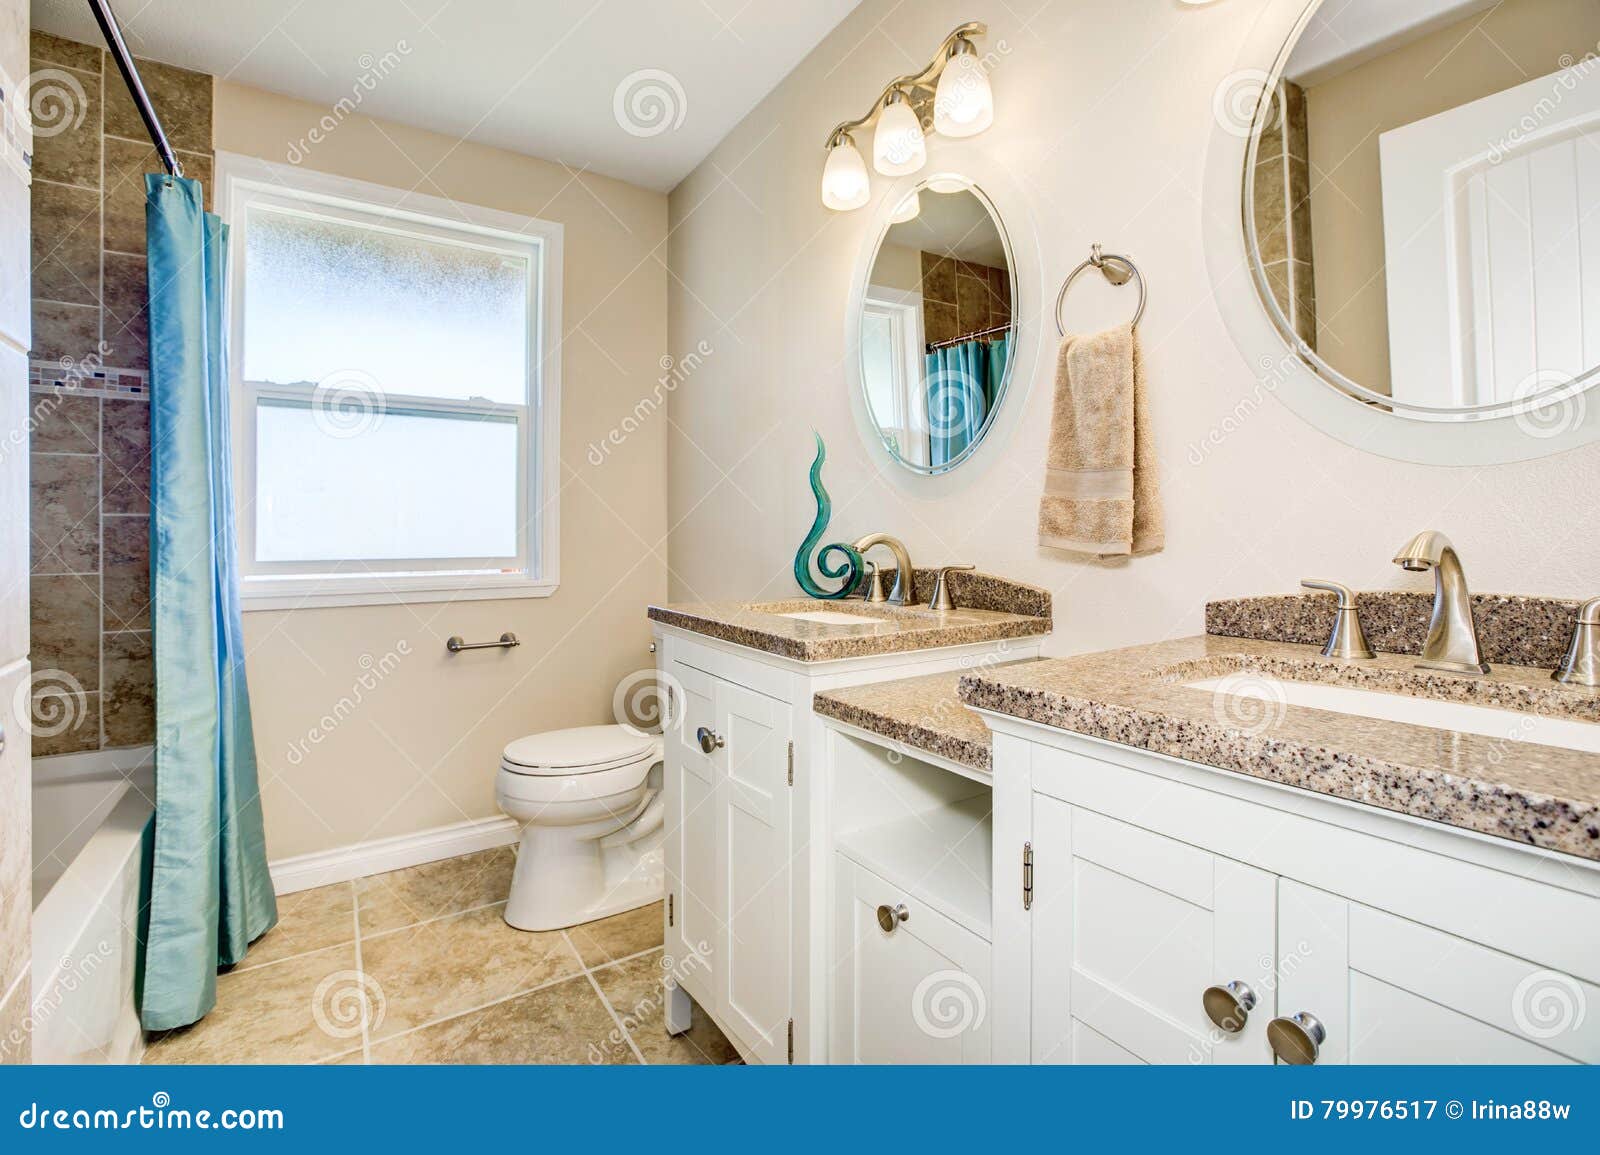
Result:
[[418, 966]]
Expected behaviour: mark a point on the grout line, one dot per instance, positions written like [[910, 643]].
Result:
[[472, 1010], [361, 975], [425, 921], [610, 1010]]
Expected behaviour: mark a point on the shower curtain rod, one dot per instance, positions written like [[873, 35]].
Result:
[[130, 75]]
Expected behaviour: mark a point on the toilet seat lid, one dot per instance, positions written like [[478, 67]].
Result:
[[579, 750]]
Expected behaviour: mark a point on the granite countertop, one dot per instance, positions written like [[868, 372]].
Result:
[[1537, 795], [989, 609], [921, 713]]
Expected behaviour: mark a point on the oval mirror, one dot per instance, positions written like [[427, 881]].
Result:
[[938, 326], [1422, 204]]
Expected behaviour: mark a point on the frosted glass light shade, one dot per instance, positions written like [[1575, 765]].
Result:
[[907, 210], [845, 185], [963, 104], [897, 145]]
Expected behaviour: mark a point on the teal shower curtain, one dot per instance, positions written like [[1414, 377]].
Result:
[[963, 381], [210, 894]]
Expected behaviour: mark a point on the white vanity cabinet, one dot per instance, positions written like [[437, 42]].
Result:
[[749, 838], [1378, 937]]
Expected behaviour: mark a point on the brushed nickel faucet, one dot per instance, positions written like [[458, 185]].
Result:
[[903, 592], [1348, 641], [1452, 642], [1581, 666]]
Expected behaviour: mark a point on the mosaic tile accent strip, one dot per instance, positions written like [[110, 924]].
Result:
[[106, 381]]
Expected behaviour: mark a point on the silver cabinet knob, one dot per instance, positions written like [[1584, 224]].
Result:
[[1298, 1039], [890, 917], [1229, 1005], [709, 739]]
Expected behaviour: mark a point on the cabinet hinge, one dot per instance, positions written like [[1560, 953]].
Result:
[[791, 1042], [791, 763], [1027, 876], [669, 910]]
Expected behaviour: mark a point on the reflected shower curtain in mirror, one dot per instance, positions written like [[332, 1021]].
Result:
[[210, 893], [961, 380]]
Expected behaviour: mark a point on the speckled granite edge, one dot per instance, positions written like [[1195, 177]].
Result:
[[921, 714], [1534, 795], [807, 642], [1512, 630]]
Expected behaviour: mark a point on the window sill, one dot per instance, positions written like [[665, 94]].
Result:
[[276, 593]]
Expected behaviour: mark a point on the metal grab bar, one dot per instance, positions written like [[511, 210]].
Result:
[[456, 644]]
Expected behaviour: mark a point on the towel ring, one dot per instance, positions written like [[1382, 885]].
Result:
[[1117, 269]]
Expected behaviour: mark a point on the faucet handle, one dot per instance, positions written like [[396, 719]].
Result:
[[1581, 666], [1348, 640], [1347, 597], [941, 599], [874, 583]]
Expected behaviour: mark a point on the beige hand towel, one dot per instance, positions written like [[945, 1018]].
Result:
[[1101, 494]]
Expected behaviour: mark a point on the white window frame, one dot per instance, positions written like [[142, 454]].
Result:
[[903, 308], [242, 181]]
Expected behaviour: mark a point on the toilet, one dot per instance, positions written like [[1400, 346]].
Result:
[[589, 803]]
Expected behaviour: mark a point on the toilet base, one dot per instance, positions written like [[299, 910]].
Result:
[[562, 880]]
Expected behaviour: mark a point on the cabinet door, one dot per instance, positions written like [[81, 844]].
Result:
[[1388, 990], [916, 994], [1129, 930], [752, 841], [695, 905]]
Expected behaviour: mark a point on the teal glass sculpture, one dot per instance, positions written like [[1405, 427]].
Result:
[[849, 569]]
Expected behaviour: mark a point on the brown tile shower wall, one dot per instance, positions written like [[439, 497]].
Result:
[[960, 297], [1283, 210], [89, 392]]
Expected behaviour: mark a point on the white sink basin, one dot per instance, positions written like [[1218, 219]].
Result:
[[1506, 725], [832, 618]]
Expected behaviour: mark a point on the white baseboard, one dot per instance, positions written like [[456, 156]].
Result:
[[304, 871]]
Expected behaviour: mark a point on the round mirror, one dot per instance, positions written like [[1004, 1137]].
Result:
[[1422, 204], [938, 328]]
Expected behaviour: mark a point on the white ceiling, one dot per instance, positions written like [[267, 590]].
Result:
[[955, 224], [536, 76], [1345, 33]]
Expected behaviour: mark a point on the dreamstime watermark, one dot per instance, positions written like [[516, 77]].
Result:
[[1251, 701], [1549, 404], [649, 1006], [49, 704], [1272, 971], [373, 672], [948, 1003], [952, 99], [374, 69], [56, 102], [1547, 1004], [67, 981], [1562, 84], [648, 701], [74, 371], [649, 102], [1274, 373], [675, 372], [1236, 102], [348, 403], [347, 1002]]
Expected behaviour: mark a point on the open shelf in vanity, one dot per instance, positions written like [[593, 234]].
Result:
[[910, 885]]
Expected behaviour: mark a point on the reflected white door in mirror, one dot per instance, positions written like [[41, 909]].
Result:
[[1421, 219]]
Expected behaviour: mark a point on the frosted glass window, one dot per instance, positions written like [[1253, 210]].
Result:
[[410, 485], [326, 296]]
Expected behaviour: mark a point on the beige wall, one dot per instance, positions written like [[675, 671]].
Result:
[[1486, 53], [898, 267], [1110, 149], [422, 743]]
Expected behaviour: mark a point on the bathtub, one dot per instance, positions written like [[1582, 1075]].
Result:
[[91, 814]]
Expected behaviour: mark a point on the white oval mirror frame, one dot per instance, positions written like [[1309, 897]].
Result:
[[1288, 370], [882, 222]]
